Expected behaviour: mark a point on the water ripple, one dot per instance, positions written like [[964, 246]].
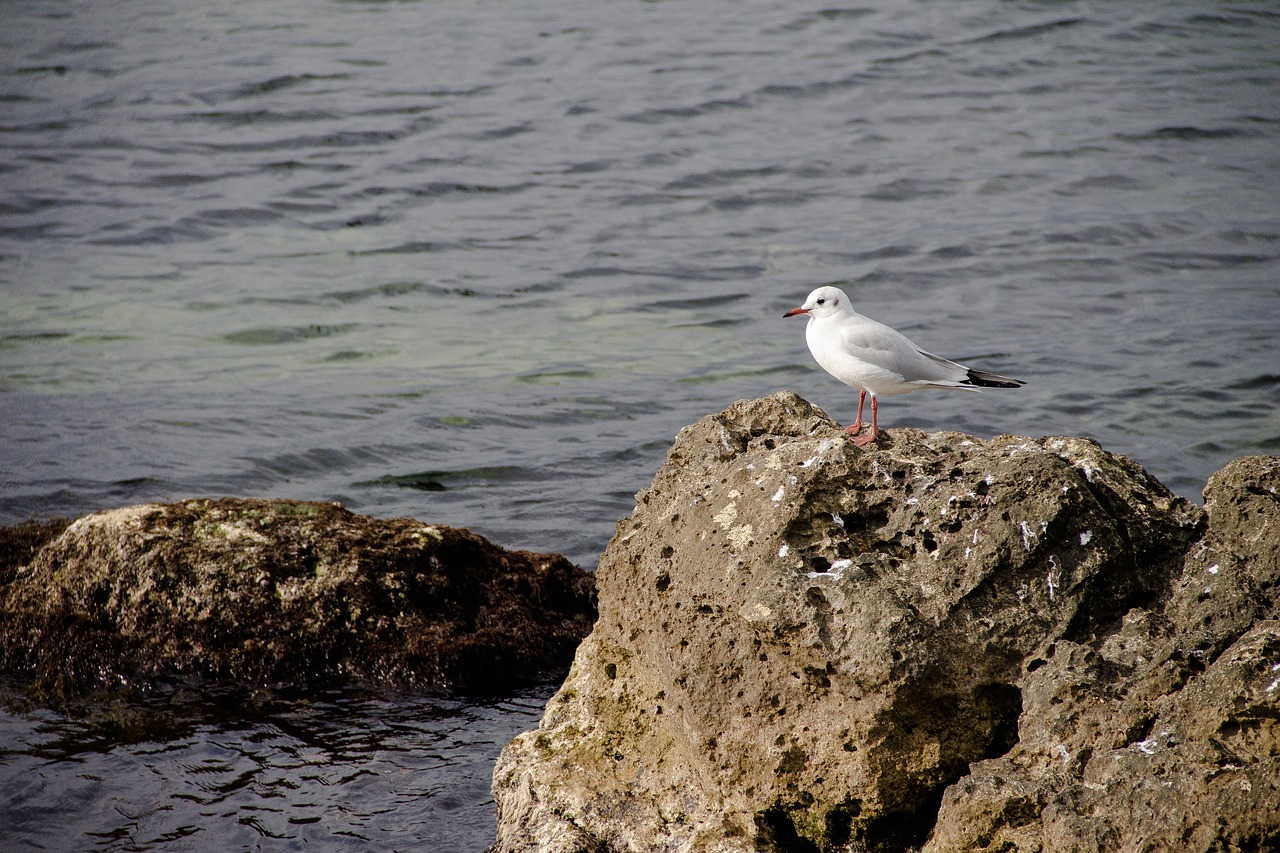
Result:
[[478, 264]]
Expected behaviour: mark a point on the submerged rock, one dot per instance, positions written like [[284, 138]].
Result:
[[282, 592], [934, 641]]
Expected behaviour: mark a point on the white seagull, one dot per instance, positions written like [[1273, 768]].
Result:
[[876, 359]]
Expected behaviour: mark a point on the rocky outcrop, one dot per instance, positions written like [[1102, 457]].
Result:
[[938, 642], [280, 592], [1163, 733]]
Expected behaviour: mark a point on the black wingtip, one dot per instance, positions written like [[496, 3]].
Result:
[[982, 379]]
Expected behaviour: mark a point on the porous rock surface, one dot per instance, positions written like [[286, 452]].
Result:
[[279, 592], [935, 642]]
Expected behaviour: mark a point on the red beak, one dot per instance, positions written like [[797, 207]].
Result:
[[794, 311]]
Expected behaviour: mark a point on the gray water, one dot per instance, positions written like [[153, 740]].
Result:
[[477, 263], [209, 773]]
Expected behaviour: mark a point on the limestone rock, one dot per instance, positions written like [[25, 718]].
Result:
[[934, 641], [287, 592], [1165, 733]]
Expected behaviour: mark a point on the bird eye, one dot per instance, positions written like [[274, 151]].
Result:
[[822, 302]]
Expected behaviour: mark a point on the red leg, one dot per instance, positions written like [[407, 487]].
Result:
[[856, 427], [864, 440]]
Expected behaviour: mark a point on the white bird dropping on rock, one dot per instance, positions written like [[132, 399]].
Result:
[[878, 360]]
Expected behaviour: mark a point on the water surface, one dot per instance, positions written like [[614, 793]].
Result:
[[201, 770], [477, 263]]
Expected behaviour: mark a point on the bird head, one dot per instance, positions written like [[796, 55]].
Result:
[[823, 302]]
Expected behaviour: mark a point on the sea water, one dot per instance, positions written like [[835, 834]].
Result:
[[477, 262]]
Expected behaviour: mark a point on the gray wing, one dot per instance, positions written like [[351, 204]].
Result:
[[878, 344]]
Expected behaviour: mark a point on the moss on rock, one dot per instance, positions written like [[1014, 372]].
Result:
[[283, 592]]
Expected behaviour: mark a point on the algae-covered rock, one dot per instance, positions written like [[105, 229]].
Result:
[[289, 592], [807, 646]]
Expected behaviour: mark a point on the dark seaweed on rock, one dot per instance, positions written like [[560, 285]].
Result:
[[18, 544], [283, 593]]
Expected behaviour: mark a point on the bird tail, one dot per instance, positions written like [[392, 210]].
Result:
[[984, 379]]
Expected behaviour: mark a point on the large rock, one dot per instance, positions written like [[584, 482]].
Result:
[[283, 592], [934, 641], [1162, 734]]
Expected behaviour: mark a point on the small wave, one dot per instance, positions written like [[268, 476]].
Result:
[[728, 375], [310, 142], [266, 87], [505, 132], [271, 335], [201, 226], [59, 70], [435, 189], [555, 377], [721, 177], [1200, 260], [1102, 182], [414, 247], [910, 56], [1264, 380], [952, 252], [808, 20], [816, 89], [909, 189], [764, 197], [381, 291], [424, 482], [440, 480], [896, 250], [1029, 31], [243, 118], [1185, 133], [1088, 150], [1104, 235], [681, 273], [664, 114], [699, 302]]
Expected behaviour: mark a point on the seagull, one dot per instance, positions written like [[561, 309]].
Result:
[[876, 359]]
